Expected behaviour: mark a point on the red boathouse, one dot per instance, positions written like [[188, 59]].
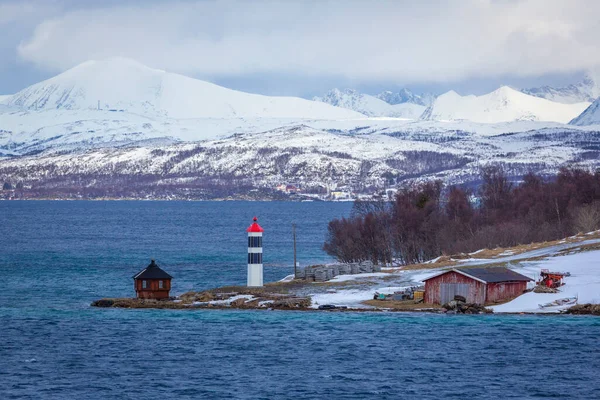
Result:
[[152, 283], [477, 285]]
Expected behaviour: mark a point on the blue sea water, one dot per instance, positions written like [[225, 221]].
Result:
[[56, 257]]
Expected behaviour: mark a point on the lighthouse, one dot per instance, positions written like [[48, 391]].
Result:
[[255, 266]]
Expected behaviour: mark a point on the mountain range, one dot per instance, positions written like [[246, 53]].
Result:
[[406, 96], [117, 124], [587, 90], [372, 106], [502, 105]]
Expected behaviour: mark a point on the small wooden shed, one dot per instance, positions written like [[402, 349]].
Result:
[[477, 285], [152, 282]]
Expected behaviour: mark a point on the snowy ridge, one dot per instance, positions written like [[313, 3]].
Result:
[[591, 116], [120, 84], [587, 90], [406, 96], [502, 105], [370, 105]]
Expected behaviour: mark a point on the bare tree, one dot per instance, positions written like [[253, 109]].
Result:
[[587, 217]]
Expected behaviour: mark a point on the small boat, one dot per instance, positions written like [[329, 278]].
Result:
[[567, 301]]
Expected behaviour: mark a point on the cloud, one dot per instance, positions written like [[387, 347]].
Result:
[[397, 41]]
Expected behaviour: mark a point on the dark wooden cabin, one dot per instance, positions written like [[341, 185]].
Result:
[[152, 282], [477, 285]]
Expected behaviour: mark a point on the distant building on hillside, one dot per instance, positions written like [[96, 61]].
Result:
[[476, 285], [152, 282], [289, 189]]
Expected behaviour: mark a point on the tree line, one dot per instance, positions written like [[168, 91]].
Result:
[[426, 220]]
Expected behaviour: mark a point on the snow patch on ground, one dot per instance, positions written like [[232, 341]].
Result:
[[584, 283], [226, 302], [350, 298], [345, 278]]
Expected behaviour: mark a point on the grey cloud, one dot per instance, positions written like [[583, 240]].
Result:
[[429, 41]]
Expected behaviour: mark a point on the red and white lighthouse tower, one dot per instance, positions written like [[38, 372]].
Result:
[[255, 265]]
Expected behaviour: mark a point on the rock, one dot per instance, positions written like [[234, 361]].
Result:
[[205, 296], [585, 309], [460, 298], [103, 303], [238, 303], [188, 297], [327, 307], [292, 302], [458, 307], [544, 289]]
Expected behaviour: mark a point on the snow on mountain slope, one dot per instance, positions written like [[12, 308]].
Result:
[[24, 131], [591, 116], [123, 84], [502, 105], [406, 96], [306, 156], [587, 90], [370, 105], [4, 98]]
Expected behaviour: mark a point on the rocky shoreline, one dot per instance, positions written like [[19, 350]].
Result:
[[584, 309]]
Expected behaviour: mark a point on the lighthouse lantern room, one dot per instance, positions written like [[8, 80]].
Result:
[[255, 263]]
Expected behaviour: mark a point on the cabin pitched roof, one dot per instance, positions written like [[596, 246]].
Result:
[[152, 271], [495, 274], [488, 275]]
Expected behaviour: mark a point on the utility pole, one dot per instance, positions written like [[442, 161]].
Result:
[[295, 263]]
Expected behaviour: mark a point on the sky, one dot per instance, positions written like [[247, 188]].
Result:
[[304, 48]]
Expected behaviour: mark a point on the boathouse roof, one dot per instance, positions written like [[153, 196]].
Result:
[[488, 275], [152, 271]]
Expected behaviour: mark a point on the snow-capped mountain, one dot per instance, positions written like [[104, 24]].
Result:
[[370, 105], [502, 105], [406, 96], [4, 98], [591, 116], [126, 85], [587, 90]]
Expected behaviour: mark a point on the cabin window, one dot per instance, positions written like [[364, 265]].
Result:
[[144, 284], [160, 284]]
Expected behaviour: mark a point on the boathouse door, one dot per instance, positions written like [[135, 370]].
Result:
[[449, 290]]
